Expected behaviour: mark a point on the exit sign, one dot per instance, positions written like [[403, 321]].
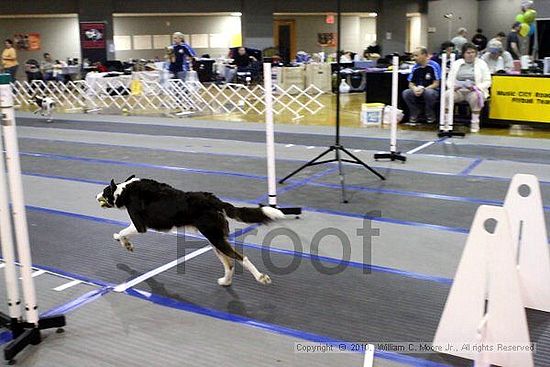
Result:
[[329, 19]]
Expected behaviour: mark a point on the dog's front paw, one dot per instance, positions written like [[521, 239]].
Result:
[[264, 279], [116, 236], [224, 282]]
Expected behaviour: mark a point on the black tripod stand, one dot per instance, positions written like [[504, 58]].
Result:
[[337, 147]]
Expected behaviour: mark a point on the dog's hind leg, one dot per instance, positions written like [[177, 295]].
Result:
[[260, 277], [213, 228], [228, 267], [123, 236]]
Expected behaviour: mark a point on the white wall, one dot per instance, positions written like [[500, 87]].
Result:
[[58, 36], [465, 15], [497, 16], [357, 32], [367, 31], [415, 32], [168, 24]]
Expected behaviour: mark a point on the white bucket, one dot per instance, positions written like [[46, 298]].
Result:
[[372, 113]]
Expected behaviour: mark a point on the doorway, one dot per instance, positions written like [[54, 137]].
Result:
[[284, 38]]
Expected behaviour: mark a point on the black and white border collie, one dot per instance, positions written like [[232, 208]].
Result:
[[45, 106], [158, 206]]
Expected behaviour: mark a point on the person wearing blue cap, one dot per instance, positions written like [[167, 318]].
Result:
[[497, 58]]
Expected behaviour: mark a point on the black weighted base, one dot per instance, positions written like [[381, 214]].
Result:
[[450, 134], [25, 334], [393, 156], [286, 211]]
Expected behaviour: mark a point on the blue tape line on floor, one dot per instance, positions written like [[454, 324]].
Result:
[[142, 165], [300, 183], [435, 173], [414, 194], [317, 184], [340, 213], [387, 220], [5, 337], [171, 303], [248, 229], [78, 302], [294, 184], [346, 263], [315, 210], [471, 167], [161, 126], [67, 274], [63, 309]]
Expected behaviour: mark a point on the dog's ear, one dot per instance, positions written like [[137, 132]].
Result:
[[129, 178], [113, 185]]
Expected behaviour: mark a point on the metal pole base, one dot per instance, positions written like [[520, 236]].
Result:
[[450, 134], [30, 335], [393, 156]]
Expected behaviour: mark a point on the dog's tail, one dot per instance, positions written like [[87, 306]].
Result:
[[264, 214]]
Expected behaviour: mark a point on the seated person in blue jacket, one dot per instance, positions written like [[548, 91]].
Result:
[[241, 62], [423, 86], [180, 55]]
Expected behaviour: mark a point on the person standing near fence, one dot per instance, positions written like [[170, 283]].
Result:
[[9, 59], [180, 55]]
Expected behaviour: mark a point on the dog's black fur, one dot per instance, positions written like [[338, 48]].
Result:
[[159, 206]]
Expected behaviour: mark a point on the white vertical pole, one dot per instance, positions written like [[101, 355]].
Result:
[[18, 205], [442, 89], [269, 137], [394, 89], [6, 235], [450, 116], [369, 356]]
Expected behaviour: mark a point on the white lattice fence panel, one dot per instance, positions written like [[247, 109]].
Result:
[[172, 96]]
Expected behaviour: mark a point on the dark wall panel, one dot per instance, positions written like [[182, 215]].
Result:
[[38, 7], [175, 6]]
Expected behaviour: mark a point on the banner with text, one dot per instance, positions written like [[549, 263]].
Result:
[[520, 98]]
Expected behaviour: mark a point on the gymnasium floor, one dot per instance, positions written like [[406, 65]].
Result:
[[392, 289]]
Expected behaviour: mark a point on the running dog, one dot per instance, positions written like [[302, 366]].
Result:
[[45, 106], [158, 206]]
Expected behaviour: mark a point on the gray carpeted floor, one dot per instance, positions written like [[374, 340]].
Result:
[[425, 209]]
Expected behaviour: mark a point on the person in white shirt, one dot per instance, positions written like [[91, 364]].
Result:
[[497, 59], [460, 39], [469, 80]]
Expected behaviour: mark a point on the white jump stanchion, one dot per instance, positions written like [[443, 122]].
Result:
[[18, 204], [448, 119], [25, 331], [393, 154], [6, 234], [270, 145], [485, 303], [524, 206], [270, 136], [443, 89]]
